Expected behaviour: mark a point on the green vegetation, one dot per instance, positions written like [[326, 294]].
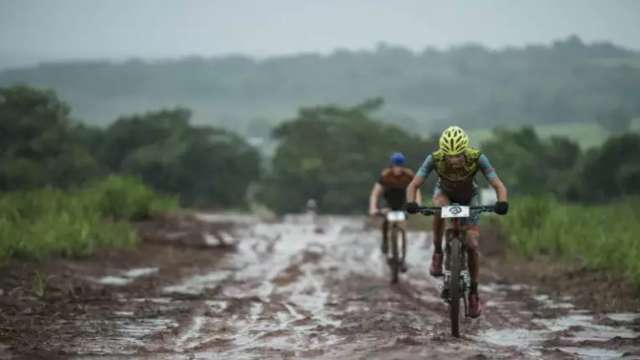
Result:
[[207, 167], [40, 146], [334, 154], [603, 237], [586, 135], [530, 165], [45, 222], [58, 191]]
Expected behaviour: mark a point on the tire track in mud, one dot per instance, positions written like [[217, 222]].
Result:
[[291, 291]]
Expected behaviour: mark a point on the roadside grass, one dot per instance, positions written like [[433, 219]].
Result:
[[49, 222], [602, 237]]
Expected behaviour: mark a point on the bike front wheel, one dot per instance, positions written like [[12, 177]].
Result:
[[394, 263], [454, 285]]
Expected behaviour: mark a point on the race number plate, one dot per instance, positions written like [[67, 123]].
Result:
[[396, 216], [455, 211]]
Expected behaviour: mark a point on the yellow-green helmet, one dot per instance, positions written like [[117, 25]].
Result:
[[453, 141]]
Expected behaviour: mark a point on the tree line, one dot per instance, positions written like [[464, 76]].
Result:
[[565, 81], [41, 146], [330, 153]]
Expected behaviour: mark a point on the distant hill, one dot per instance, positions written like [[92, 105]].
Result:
[[566, 81]]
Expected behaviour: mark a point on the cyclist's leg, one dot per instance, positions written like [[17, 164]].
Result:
[[472, 238], [439, 199]]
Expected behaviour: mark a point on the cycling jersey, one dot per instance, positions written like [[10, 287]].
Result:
[[458, 183], [395, 187]]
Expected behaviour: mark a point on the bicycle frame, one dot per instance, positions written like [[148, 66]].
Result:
[[457, 279]]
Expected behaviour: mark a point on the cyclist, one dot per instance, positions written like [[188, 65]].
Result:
[[392, 186], [456, 165]]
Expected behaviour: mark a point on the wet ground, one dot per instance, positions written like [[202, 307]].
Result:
[[285, 290]]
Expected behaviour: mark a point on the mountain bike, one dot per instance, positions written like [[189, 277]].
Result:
[[457, 279], [397, 239]]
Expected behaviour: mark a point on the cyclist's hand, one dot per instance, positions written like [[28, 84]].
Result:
[[373, 212], [411, 207], [502, 207]]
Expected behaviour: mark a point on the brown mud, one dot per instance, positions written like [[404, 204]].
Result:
[[233, 287]]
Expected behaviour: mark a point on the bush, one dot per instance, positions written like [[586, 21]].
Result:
[[125, 198], [603, 237], [40, 223]]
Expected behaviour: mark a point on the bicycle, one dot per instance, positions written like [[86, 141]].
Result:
[[397, 238], [457, 279]]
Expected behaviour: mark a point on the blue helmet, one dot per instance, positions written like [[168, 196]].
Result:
[[398, 159]]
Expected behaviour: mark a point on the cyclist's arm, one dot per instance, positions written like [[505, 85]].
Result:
[[412, 189], [490, 174], [419, 196], [424, 171], [374, 198]]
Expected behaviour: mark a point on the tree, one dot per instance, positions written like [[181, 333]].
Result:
[[334, 154], [38, 144], [529, 165], [207, 167], [611, 171]]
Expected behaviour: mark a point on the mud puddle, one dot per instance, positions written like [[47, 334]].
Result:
[[287, 290]]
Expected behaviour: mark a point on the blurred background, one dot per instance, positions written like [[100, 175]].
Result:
[[239, 104]]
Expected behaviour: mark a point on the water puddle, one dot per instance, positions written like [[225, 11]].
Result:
[[567, 325], [114, 280], [547, 302], [587, 330], [592, 353], [623, 317], [518, 338], [124, 338], [126, 277], [134, 273], [197, 284]]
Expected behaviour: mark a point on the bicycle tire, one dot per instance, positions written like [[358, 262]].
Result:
[[454, 286], [403, 237], [395, 260]]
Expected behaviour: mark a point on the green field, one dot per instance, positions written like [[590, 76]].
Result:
[[602, 237]]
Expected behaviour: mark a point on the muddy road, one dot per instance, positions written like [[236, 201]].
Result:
[[283, 290]]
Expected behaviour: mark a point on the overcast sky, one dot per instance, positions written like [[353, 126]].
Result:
[[43, 30]]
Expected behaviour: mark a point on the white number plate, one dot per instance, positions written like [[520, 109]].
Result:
[[396, 216], [455, 211]]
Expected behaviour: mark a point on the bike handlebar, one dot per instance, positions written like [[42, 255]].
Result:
[[430, 210]]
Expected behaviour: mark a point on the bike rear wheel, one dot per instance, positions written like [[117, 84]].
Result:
[[454, 286]]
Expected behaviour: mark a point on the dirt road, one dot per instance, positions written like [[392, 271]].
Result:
[[287, 291]]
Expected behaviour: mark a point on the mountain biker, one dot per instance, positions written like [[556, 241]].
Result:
[[456, 165], [392, 186]]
